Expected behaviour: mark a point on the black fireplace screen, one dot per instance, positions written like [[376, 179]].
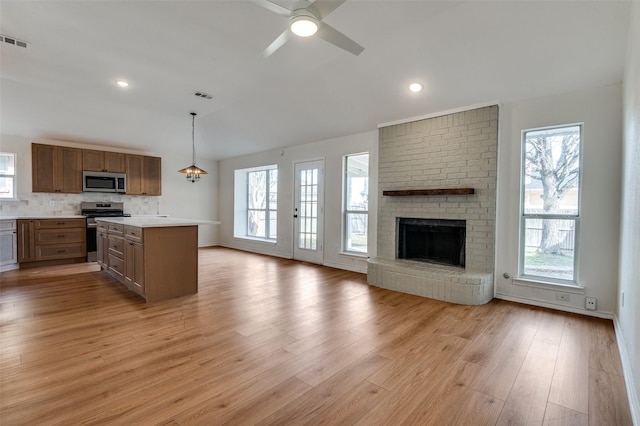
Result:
[[432, 240]]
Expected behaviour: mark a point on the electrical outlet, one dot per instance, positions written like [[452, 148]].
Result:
[[52, 203], [562, 296], [590, 303]]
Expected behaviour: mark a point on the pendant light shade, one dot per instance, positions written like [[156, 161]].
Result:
[[193, 172]]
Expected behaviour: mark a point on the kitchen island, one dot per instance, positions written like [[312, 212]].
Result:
[[156, 257]]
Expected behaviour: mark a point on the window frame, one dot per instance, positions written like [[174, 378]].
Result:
[[268, 210], [523, 216], [241, 205], [13, 177], [345, 202]]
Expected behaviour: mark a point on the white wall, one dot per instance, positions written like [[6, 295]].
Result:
[[180, 198], [600, 110], [198, 200], [629, 284], [332, 151]]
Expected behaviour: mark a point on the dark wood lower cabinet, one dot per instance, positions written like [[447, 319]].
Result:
[[41, 240]]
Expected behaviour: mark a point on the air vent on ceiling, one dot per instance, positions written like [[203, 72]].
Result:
[[14, 41], [203, 95]]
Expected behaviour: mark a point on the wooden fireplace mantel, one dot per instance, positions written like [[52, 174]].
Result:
[[428, 192]]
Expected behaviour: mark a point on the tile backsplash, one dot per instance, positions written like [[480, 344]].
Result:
[[34, 204]]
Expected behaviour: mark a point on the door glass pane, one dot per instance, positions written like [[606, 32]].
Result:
[[549, 246], [308, 210]]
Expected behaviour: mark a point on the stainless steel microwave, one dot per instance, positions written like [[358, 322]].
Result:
[[103, 182]]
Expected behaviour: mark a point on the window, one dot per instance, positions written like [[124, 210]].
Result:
[[550, 203], [256, 203], [356, 203], [7, 176]]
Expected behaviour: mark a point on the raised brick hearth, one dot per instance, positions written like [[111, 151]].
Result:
[[456, 150]]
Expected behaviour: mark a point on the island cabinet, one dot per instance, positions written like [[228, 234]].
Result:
[[144, 175], [156, 262], [115, 251], [102, 243], [103, 161], [56, 169], [41, 240], [134, 259]]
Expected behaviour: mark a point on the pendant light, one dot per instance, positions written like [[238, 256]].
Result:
[[193, 172]]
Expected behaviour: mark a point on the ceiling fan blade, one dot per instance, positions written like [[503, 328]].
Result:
[[322, 8], [277, 44], [335, 37], [273, 7]]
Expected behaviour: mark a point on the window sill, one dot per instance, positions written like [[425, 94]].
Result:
[[354, 254], [568, 288], [260, 240]]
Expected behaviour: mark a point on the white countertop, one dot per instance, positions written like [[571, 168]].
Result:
[[155, 222]]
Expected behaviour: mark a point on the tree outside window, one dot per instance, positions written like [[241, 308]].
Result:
[[262, 202], [550, 202]]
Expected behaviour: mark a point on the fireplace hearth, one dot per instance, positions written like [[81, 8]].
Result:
[[440, 241]]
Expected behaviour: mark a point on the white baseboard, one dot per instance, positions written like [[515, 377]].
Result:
[[257, 250], [207, 244], [346, 267], [545, 304], [634, 400]]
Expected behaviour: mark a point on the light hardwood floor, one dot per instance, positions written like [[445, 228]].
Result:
[[270, 341]]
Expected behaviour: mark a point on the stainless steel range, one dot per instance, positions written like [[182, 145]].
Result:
[[93, 211]]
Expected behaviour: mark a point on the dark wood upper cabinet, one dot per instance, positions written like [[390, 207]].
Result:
[[144, 175], [152, 172], [59, 169], [103, 161], [56, 169], [134, 174]]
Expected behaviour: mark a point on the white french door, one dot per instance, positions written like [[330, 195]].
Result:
[[308, 222]]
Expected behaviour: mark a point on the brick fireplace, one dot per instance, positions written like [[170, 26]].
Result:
[[453, 157]]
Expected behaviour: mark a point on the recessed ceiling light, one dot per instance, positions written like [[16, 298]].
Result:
[[415, 87], [122, 83]]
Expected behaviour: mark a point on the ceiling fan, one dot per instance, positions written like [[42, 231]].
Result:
[[305, 19]]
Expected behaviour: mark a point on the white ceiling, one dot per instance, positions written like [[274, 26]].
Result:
[[63, 85]]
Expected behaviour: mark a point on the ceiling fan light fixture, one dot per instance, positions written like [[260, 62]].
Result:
[[303, 24]]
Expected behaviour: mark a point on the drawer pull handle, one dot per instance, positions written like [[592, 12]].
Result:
[[62, 251], [60, 236], [60, 223]]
